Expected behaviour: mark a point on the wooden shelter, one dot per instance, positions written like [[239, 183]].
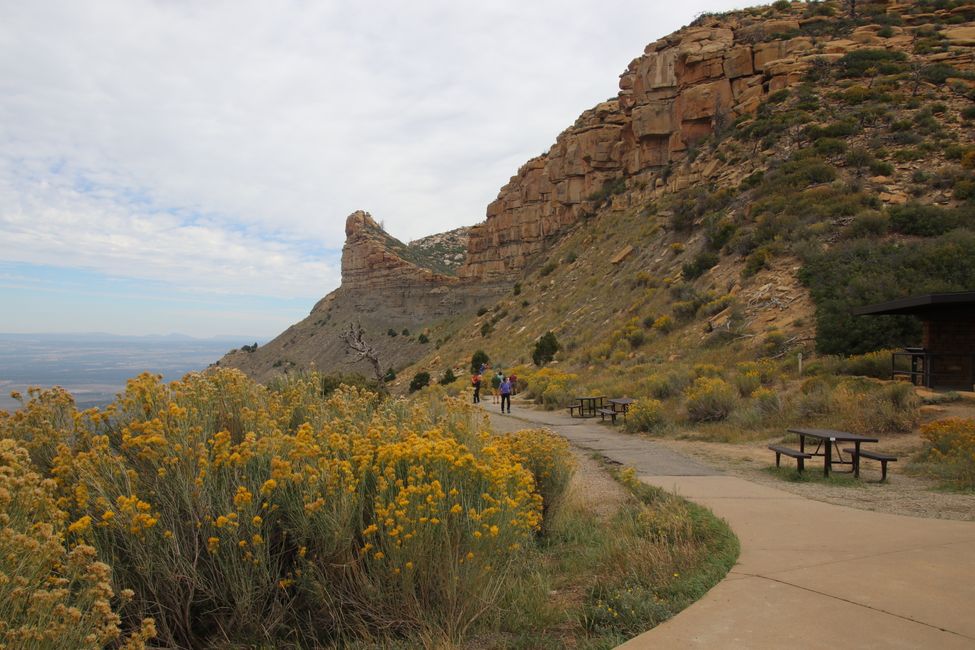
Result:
[[946, 358]]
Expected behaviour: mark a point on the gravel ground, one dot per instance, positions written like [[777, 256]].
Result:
[[593, 488]]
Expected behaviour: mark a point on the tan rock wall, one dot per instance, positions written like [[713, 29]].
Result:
[[669, 98]]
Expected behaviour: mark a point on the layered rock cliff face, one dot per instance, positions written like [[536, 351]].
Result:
[[380, 273], [389, 288], [685, 86], [626, 152]]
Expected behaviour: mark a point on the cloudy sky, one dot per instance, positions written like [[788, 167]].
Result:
[[187, 166]]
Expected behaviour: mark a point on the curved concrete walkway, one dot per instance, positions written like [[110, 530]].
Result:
[[810, 574]]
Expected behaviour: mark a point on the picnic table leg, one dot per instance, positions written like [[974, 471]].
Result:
[[802, 443], [856, 459], [829, 458]]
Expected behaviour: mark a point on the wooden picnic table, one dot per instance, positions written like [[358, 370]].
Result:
[[832, 438], [588, 404], [623, 403]]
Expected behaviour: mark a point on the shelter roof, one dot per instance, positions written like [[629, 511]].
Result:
[[923, 305]]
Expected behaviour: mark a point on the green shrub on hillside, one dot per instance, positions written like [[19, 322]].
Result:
[[862, 272], [829, 146], [858, 62], [478, 359], [767, 401], [545, 349], [866, 406], [938, 73], [420, 380], [701, 263], [833, 130], [664, 386], [664, 324], [816, 399], [747, 382], [870, 223], [928, 220]]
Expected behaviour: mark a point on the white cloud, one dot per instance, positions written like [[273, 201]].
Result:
[[225, 142]]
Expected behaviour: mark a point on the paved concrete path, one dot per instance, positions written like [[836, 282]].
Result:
[[810, 574]]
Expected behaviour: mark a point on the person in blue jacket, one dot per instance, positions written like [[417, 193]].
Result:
[[505, 394]]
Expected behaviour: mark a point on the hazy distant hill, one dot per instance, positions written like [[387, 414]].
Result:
[[95, 366]]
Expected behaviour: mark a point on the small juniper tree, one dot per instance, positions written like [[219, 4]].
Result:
[[545, 349], [420, 380], [479, 357]]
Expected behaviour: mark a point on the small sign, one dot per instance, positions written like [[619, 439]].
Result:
[[832, 439]]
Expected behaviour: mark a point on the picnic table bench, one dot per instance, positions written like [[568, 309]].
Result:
[[874, 455], [603, 412], [800, 456]]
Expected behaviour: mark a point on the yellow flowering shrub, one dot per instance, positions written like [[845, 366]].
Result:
[[548, 386], [51, 596], [950, 450], [647, 414], [240, 513], [550, 461], [710, 398]]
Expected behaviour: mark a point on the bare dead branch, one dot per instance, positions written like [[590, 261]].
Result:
[[354, 338]]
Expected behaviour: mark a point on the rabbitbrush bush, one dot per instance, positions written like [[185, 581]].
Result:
[[710, 398], [51, 596], [950, 451], [240, 514], [647, 415], [548, 386]]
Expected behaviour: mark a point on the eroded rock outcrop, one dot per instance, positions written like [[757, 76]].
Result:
[[380, 273], [684, 86]]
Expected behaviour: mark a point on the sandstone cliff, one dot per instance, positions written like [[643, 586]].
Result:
[[664, 176], [686, 85], [387, 286]]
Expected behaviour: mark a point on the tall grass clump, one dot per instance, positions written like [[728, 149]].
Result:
[[667, 553], [237, 514], [668, 385], [816, 399], [872, 364], [887, 408], [710, 398], [949, 452]]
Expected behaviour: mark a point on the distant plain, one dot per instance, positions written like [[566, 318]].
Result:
[[95, 367]]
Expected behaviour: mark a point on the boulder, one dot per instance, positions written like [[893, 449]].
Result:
[[781, 26], [654, 118], [738, 62], [964, 35], [704, 100], [693, 68]]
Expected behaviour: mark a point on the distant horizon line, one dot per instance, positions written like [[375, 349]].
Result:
[[110, 335]]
